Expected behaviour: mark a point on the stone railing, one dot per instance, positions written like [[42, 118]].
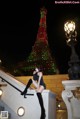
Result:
[[71, 97]]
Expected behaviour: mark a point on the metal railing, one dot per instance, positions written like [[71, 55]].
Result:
[[4, 80]]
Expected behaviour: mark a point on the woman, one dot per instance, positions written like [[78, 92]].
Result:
[[40, 86]]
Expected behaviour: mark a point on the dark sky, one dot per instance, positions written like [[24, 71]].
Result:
[[19, 24]]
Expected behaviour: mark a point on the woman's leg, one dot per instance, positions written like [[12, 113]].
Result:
[[35, 83], [27, 86], [40, 89], [39, 95]]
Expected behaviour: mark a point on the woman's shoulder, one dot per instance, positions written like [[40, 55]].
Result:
[[40, 73]]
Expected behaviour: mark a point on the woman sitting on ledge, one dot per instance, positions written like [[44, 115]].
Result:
[[40, 86]]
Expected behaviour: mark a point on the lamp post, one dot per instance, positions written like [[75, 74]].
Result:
[[74, 63]]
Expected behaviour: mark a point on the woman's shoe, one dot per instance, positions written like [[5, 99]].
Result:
[[43, 116], [25, 96], [22, 93]]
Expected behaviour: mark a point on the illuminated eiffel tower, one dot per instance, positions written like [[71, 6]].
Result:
[[40, 55]]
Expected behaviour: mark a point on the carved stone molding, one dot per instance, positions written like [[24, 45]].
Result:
[[71, 97], [67, 94], [76, 93]]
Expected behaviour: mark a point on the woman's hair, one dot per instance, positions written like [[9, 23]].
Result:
[[40, 69]]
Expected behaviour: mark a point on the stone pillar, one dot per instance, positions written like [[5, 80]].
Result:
[[71, 97]]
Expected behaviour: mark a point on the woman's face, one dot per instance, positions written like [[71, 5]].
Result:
[[36, 69]]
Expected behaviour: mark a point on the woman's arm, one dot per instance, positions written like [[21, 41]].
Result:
[[34, 72], [40, 75]]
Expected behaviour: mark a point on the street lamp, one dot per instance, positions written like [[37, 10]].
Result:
[[74, 63]]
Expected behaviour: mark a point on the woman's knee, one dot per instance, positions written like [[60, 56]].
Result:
[[30, 80], [40, 89]]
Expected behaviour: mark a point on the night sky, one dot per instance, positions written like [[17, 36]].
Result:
[[19, 24]]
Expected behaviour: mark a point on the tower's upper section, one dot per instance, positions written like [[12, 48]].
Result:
[[42, 35]]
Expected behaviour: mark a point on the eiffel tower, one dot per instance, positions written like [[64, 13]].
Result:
[[40, 55]]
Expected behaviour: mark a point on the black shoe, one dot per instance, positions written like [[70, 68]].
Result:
[[25, 96], [22, 93], [43, 115]]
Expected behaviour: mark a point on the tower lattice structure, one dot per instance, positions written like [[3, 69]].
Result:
[[40, 55]]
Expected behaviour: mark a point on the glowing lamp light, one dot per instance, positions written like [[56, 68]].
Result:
[[59, 105], [69, 26], [1, 92], [21, 111]]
